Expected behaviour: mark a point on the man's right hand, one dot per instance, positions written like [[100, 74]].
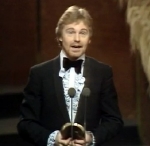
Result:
[[59, 141]]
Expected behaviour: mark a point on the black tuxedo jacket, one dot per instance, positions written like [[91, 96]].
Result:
[[43, 109]]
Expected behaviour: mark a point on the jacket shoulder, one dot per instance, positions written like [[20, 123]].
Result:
[[44, 65], [98, 64]]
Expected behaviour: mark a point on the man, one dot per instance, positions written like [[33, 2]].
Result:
[[47, 105]]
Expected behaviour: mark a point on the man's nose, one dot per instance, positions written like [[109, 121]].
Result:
[[77, 37]]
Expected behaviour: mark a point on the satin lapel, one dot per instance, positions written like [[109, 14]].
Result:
[[87, 73], [80, 116], [59, 89]]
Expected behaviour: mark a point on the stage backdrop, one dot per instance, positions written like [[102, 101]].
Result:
[[27, 37]]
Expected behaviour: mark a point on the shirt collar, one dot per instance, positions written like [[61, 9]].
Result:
[[63, 54]]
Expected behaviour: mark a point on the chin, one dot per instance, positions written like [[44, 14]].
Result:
[[74, 57]]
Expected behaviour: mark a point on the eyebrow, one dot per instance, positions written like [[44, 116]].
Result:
[[83, 29]]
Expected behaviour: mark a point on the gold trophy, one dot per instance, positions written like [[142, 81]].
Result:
[[75, 130]]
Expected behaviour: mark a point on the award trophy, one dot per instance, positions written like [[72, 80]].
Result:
[[75, 130]]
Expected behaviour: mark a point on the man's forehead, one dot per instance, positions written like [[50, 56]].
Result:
[[78, 24]]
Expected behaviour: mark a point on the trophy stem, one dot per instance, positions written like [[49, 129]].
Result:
[[71, 118], [85, 113]]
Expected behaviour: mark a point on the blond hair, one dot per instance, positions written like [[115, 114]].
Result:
[[74, 14]]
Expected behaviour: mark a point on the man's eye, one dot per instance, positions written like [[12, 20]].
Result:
[[70, 32], [83, 32]]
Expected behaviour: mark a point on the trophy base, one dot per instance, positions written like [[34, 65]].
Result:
[[73, 130]]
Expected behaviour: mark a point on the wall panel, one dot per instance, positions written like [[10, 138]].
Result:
[[18, 40]]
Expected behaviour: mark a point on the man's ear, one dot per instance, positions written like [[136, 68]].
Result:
[[89, 41], [60, 39]]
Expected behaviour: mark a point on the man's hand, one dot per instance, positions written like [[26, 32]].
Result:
[[59, 141], [86, 142]]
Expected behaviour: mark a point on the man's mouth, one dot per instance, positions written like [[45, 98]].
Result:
[[76, 46]]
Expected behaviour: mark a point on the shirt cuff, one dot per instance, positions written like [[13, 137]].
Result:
[[93, 138], [51, 138]]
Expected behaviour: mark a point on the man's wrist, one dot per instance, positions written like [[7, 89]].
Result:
[[92, 143], [52, 138]]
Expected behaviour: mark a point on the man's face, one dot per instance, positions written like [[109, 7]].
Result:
[[75, 38]]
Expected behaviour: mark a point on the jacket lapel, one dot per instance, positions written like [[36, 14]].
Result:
[[87, 73], [59, 89], [81, 111]]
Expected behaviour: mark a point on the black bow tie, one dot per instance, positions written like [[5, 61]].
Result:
[[76, 64]]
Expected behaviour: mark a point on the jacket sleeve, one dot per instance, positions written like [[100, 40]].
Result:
[[111, 121], [29, 126]]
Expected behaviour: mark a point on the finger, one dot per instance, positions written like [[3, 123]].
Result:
[[65, 142], [77, 144], [71, 143], [80, 142]]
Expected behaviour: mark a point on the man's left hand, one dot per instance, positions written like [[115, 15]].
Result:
[[86, 142]]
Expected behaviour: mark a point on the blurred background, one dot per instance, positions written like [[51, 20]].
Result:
[[27, 37]]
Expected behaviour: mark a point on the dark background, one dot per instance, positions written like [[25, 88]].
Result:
[[27, 37]]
